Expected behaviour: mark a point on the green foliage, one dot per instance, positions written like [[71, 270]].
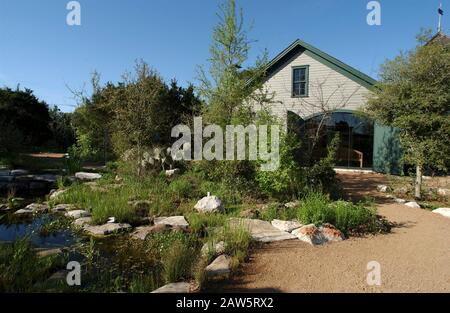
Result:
[[21, 268], [182, 187], [315, 209], [351, 216], [177, 261], [414, 96], [63, 134]]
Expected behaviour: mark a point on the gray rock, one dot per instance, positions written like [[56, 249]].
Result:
[[23, 212], [219, 248], [310, 234], [413, 204], [220, 267], [80, 222], [174, 288], [42, 252], [62, 208], [106, 229], [209, 204], [142, 232], [171, 173], [76, 214], [287, 226], [443, 211], [37, 207], [261, 231], [84, 176], [172, 221], [398, 200]]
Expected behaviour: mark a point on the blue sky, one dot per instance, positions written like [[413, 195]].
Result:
[[38, 50]]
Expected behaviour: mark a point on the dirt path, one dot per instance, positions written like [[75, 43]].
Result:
[[415, 257]]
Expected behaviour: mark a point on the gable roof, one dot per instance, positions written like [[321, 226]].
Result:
[[301, 46]]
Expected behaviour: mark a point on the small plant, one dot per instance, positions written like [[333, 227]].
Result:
[[315, 209], [177, 261], [181, 187], [351, 217]]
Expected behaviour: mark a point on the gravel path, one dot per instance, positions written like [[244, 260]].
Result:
[[415, 257]]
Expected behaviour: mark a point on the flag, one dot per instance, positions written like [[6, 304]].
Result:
[[440, 11]]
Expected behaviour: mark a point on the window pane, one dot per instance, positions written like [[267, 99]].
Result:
[[299, 74], [302, 72], [296, 89], [302, 89]]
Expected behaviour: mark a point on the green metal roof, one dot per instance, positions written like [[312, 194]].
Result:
[[324, 58]]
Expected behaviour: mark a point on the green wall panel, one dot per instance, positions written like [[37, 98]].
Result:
[[387, 152]]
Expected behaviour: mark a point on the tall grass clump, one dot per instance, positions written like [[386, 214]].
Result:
[[354, 217], [178, 261], [315, 209]]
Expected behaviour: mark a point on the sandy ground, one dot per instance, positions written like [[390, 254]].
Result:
[[415, 257]]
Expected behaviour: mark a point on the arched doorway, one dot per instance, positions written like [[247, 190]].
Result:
[[355, 131]]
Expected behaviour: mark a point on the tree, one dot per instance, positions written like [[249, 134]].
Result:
[[61, 127], [414, 95], [231, 92]]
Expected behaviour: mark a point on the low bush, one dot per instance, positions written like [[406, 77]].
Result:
[[350, 217], [315, 209]]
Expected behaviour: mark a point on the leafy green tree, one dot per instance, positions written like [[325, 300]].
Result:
[[230, 91], [63, 133], [414, 95]]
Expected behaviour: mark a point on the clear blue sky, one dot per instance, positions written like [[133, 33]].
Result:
[[41, 52]]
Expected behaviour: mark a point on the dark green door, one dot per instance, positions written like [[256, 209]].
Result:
[[387, 152]]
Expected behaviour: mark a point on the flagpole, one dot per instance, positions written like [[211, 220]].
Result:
[[440, 19]]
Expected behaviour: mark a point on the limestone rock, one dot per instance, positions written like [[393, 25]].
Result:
[[287, 226], [171, 173], [400, 201], [84, 176], [310, 234], [174, 288], [76, 214], [173, 221], [220, 267], [413, 205], [80, 222], [209, 204], [62, 208], [219, 248], [142, 232], [261, 230], [37, 207], [443, 211], [42, 253], [105, 229]]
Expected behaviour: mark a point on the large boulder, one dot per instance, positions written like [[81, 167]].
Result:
[[174, 288], [331, 233], [80, 222], [219, 268], [310, 234], [173, 221], [209, 204], [84, 176], [261, 231], [443, 211], [287, 226]]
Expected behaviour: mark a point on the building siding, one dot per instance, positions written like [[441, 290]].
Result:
[[327, 87]]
